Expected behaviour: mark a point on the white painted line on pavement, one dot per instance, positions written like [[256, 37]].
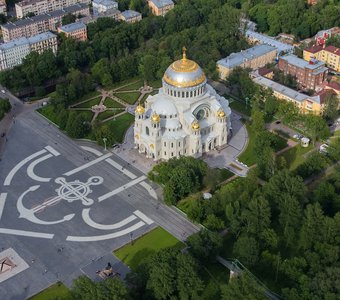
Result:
[[27, 233], [122, 188], [2, 202], [30, 169], [105, 236], [52, 150], [11, 174], [89, 164], [149, 188], [120, 168], [90, 222], [146, 219], [92, 150]]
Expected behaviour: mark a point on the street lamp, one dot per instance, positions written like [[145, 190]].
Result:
[[104, 140]]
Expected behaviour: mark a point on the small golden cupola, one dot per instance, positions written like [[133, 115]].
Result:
[[195, 125], [155, 118], [220, 113], [140, 110]]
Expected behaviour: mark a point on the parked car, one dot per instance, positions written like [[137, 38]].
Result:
[[278, 122]]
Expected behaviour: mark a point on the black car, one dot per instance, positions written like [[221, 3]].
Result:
[[278, 122]]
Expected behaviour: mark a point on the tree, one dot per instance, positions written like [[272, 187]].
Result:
[[84, 288], [257, 121], [266, 163], [243, 287], [204, 245], [287, 111], [68, 19], [316, 127], [148, 67], [101, 72], [247, 250], [331, 107], [5, 107]]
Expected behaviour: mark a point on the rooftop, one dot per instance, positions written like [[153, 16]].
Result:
[[314, 64], [27, 41], [265, 39], [333, 50], [129, 14], [236, 59], [314, 49], [73, 27], [46, 16], [162, 3], [104, 2]]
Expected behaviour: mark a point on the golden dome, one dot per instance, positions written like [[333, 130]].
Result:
[[139, 109], [221, 113], [184, 73], [152, 146], [155, 118], [195, 125]]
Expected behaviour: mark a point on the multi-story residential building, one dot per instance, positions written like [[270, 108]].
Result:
[[39, 7], [308, 74], [13, 52], [329, 55], [255, 57], [38, 24], [110, 13], [77, 31], [130, 16], [100, 6], [3, 7], [160, 7], [306, 104]]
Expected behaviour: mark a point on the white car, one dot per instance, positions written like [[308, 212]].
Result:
[[3, 91], [323, 148]]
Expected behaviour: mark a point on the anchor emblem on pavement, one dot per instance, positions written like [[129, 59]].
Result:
[[69, 191]]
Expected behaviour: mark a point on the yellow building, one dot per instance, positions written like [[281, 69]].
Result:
[[253, 58], [329, 55], [160, 7]]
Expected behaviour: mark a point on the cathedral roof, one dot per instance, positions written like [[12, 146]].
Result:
[[162, 106], [184, 73]]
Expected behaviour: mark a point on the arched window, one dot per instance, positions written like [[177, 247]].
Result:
[[147, 131]]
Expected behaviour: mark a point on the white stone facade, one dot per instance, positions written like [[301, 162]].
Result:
[[187, 117]]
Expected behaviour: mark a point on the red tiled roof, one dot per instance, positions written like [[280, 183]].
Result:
[[334, 85], [314, 49], [264, 71], [323, 95], [333, 49]]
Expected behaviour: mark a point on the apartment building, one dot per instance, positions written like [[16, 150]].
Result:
[[77, 31], [38, 24], [255, 57], [13, 52], [306, 104], [100, 6], [308, 74], [39, 7], [160, 7], [130, 16], [330, 55], [3, 7]]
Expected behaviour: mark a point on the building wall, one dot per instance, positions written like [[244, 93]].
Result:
[[304, 76], [43, 6], [160, 11], [37, 27], [254, 63], [79, 34], [3, 7], [131, 20], [332, 60]]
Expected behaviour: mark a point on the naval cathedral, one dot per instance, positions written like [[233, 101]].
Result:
[[187, 117]]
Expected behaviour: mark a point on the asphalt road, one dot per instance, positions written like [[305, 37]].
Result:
[[36, 194]]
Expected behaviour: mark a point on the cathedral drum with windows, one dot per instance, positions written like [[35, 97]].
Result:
[[187, 117]]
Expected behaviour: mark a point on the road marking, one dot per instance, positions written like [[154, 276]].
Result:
[[89, 164], [120, 168], [122, 188], [30, 169], [90, 222], [52, 150], [105, 236], [27, 233], [146, 219], [149, 188], [2, 202], [11, 174], [92, 150]]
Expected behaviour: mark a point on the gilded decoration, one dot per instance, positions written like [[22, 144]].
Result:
[[195, 125], [155, 118], [140, 110], [220, 113]]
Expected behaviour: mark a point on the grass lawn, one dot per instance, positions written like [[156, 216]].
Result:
[[120, 85], [185, 203], [337, 133], [132, 86], [240, 107], [130, 98], [294, 156], [89, 95], [120, 125], [248, 155], [89, 103], [47, 111], [155, 84], [55, 291], [152, 242], [108, 113], [110, 103]]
